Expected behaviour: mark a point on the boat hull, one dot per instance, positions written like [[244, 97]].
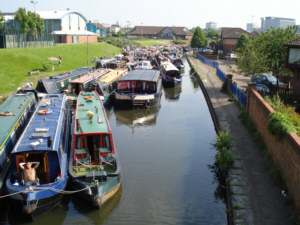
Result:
[[95, 194], [132, 101], [33, 209]]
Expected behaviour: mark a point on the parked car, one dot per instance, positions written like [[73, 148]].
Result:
[[262, 89], [267, 79], [231, 56]]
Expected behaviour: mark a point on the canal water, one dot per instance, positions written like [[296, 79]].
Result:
[[166, 156]]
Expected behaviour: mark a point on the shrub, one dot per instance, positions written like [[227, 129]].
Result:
[[279, 124], [224, 157]]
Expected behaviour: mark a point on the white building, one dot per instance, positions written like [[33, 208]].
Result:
[[276, 22], [211, 25]]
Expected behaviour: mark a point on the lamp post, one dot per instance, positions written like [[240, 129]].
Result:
[[33, 2], [142, 29], [87, 48]]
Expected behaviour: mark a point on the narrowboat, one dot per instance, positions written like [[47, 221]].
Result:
[[138, 88], [179, 64], [170, 74], [94, 165], [144, 65], [15, 113], [82, 82], [57, 84], [45, 143], [105, 85]]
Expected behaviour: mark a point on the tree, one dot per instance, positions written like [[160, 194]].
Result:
[[22, 18], [242, 43], [265, 53], [1, 21], [30, 21], [198, 39]]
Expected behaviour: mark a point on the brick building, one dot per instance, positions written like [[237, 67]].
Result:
[[161, 32]]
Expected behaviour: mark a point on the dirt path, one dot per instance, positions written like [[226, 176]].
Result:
[[263, 203]]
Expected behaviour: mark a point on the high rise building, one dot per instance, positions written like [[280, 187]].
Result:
[[276, 22], [211, 25]]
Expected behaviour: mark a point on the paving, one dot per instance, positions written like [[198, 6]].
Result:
[[254, 199]]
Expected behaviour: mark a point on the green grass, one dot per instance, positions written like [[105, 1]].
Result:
[[17, 62], [152, 42]]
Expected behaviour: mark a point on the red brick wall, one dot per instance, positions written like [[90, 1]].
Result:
[[285, 153]]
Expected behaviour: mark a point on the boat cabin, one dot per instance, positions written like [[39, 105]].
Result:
[[58, 83], [44, 140], [82, 82]]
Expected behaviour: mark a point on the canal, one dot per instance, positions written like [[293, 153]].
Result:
[[166, 157]]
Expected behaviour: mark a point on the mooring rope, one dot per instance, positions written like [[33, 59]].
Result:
[[37, 188]]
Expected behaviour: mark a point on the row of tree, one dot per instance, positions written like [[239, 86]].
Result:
[[265, 52], [30, 22]]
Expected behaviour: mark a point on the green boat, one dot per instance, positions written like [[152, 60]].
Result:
[[15, 113], [94, 165]]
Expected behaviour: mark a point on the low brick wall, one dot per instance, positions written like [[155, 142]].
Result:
[[285, 153], [210, 56]]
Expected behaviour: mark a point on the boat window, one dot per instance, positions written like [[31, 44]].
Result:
[[123, 85]]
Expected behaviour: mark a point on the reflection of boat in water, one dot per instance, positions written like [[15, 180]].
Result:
[[173, 94], [141, 117], [96, 216]]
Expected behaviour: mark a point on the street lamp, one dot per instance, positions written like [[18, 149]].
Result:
[[33, 2]]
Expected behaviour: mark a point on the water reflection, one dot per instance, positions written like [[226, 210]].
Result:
[[173, 94], [96, 216], [195, 82], [137, 117]]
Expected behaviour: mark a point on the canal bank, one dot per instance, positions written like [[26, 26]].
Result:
[[252, 198]]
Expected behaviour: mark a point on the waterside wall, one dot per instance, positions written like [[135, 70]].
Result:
[[285, 152]]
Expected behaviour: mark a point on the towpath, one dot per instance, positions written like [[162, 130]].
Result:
[[255, 199]]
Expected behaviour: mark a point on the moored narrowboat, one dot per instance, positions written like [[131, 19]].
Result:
[[44, 142], [15, 113], [105, 85], [94, 165], [170, 74], [139, 88]]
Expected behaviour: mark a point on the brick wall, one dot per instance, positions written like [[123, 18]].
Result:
[[285, 153]]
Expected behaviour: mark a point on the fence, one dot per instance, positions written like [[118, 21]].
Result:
[[238, 93]]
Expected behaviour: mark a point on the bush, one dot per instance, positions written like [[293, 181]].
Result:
[[224, 157], [279, 124]]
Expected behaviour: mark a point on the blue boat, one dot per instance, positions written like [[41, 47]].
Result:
[[46, 141], [171, 76], [15, 113]]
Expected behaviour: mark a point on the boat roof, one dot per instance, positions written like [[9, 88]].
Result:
[[15, 104], [168, 66], [89, 76], [142, 75], [50, 83], [99, 122], [111, 76], [44, 126]]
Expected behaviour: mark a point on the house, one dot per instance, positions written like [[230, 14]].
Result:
[[229, 38], [60, 27], [161, 32], [96, 28]]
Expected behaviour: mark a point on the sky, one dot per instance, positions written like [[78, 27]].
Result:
[[187, 13]]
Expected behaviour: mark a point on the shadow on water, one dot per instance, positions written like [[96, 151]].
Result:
[[56, 215]]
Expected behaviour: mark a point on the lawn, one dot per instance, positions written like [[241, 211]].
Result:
[[15, 63], [151, 42]]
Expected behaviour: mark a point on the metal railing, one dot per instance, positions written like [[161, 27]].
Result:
[[238, 93]]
